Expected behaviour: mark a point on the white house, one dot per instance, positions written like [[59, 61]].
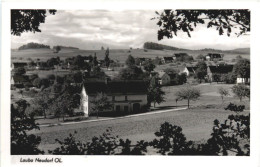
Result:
[[125, 96], [164, 78], [189, 70], [243, 80]]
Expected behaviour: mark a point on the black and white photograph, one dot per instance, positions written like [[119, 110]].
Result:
[[130, 82]]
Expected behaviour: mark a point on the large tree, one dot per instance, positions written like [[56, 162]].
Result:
[[241, 91], [130, 61], [201, 71], [100, 103], [107, 60], [130, 73], [155, 93], [242, 68], [27, 20], [225, 21], [23, 143], [188, 93]]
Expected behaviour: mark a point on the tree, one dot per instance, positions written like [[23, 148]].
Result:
[[155, 94], [41, 103], [56, 49], [37, 82], [95, 61], [130, 73], [130, 61], [19, 71], [27, 20], [216, 77], [201, 57], [171, 141], [201, 71], [21, 142], [172, 21], [242, 68], [149, 66], [66, 101], [223, 93], [107, 60], [100, 103], [188, 93], [241, 91]]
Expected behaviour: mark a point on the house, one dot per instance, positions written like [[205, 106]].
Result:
[[20, 81], [214, 56], [241, 80], [190, 70], [142, 60], [165, 60], [164, 78], [125, 96], [19, 64], [218, 69]]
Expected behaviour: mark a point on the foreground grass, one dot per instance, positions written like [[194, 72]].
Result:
[[196, 124]]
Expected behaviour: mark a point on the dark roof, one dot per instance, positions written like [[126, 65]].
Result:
[[180, 54], [20, 78], [221, 69], [19, 64], [214, 55], [191, 69], [168, 58], [116, 87]]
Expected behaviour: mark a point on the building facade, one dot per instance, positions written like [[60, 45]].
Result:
[[125, 96]]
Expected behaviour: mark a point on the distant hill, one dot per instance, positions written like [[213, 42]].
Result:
[[33, 45], [156, 46], [234, 51]]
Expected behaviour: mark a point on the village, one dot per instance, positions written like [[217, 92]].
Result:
[[77, 95]]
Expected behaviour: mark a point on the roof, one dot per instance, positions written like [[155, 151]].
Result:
[[191, 69], [180, 54], [20, 78], [116, 87], [161, 74], [168, 58], [214, 55], [221, 69]]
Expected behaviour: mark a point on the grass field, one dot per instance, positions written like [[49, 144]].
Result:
[[120, 55]]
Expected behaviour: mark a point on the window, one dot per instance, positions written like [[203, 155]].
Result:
[[125, 98], [113, 98]]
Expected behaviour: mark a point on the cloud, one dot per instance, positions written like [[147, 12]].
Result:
[[91, 29]]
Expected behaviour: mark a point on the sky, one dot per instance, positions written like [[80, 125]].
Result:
[[91, 29]]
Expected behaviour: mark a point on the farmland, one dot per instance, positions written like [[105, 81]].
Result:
[[115, 54]]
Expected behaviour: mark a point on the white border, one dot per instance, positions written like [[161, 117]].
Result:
[[252, 161]]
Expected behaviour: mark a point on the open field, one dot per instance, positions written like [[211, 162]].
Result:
[[196, 124], [115, 54]]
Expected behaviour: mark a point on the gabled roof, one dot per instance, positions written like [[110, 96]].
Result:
[[221, 69], [161, 74], [191, 69], [116, 87]]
